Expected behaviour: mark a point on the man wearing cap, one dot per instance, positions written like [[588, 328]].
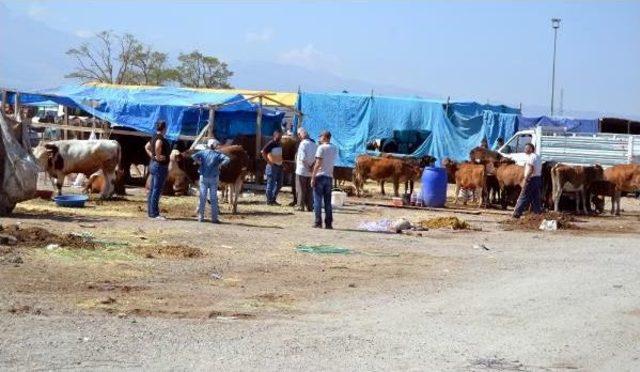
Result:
[[210, 161]]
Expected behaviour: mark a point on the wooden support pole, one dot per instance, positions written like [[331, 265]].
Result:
[[16, 107], [66, 120], [4, 99], [259, 129], [199, 137], [212, 122]]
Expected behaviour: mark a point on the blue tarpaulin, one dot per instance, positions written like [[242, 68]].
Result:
[[139, 108], [572, 125], [453, 130]]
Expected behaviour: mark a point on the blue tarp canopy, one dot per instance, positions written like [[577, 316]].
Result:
[[185, 110], [452, 130], [572, 125]]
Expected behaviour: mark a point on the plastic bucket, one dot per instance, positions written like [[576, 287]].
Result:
[[338, 198]]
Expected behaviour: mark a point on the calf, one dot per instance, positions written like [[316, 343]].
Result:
[[574, 179], [60, 158], [510, 177], [490, 159], [97, 182], [233, 173], [624, 177], [470, 176], [601, 188]]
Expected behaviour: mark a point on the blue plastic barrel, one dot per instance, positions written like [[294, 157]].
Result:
[[434, 187]]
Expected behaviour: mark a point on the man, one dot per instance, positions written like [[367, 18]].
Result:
[[499, 144], [272, 153], [532, 184], [210, 162], [322, 180], [158, 150], [305, 157]]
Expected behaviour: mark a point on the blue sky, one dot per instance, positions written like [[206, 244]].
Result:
[[497, 51]]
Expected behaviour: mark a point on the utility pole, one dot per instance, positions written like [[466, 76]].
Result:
[[555, 23]]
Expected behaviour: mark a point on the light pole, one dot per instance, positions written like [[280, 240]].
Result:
[[555, 23]]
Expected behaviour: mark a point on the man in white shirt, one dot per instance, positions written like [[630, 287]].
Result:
[[532, 184], [322, 180], [305, 157]]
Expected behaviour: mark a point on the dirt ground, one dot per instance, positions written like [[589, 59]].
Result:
[[83, 285]]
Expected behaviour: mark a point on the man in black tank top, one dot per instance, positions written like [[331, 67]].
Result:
[[158, 150]]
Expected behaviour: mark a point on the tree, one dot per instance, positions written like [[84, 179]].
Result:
[[151, 67], [107, 61], [199, 71], [122, 59]]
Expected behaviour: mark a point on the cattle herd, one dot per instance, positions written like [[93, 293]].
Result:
[[488, 176]]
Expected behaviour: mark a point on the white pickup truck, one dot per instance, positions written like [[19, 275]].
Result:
[[553, 144]]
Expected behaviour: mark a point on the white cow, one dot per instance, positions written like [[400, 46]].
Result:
[[60, 158]]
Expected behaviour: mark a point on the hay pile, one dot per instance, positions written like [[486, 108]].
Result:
[[452, 222]]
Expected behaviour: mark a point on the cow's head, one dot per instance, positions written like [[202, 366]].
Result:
[[594, 173], [427, 161], [48, 156]]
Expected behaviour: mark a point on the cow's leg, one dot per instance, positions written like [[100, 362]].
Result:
[[382, 188], [557, 193], [396, 188], [482, 201], [578, 198], [583, 193], [617, 194], [238, 190], [503, 197]]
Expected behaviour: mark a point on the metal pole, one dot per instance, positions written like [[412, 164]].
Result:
[[555, 23], [259, 129]]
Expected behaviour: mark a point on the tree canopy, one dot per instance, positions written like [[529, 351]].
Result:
[[123, 59]]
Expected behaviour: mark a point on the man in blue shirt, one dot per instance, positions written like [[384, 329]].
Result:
[[210, 161]]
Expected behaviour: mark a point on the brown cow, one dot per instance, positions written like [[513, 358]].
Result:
[[233, 173], [97, 182], [470, 176], [601, 188], [383, 169], [510, 177], [574, 179], [490, 159], [624, 177]]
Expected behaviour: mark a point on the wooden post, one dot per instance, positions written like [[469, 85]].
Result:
[[212, 122], [259, 129], [66, 120], [4, 99], [16, 107]]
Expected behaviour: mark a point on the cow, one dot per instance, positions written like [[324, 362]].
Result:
[[232, 174], [383, 169], [408, 178], [133, 153], [625, 178], [183, 172], [574, 179], [97, 182], [342, 174], [59, 158], [470, 176], [602, 188], [490, 159], [510, 177]]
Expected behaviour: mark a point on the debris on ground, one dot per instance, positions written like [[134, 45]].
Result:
[[549, 225], [454, 223], [167, 251], [322, 249], [480, 246], [533, 221], [40, 237], [386, 225]]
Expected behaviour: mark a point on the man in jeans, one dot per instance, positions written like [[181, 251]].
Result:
[[158, 150], [532, 184], [305, 158], [272, 153], [322, 180], [210, 162]]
